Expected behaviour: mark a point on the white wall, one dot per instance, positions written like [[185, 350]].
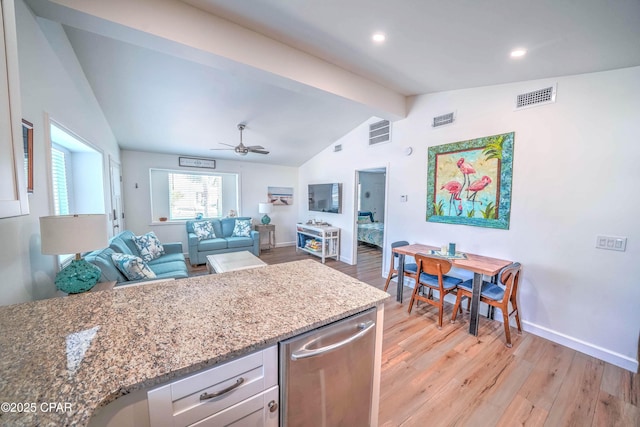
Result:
[[254, 180], [575, 177], [51, 82]]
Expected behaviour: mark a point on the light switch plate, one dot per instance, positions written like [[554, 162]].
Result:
[[611, 243]]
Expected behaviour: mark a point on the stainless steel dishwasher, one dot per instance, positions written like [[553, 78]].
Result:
[[326, 375]]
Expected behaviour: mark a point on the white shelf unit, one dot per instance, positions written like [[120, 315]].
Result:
[[320, 240]]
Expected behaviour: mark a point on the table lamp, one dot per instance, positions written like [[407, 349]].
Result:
[[265, 208], [67, 234]]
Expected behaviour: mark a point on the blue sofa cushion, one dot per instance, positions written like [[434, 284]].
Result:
[[167, 258], [177, 269], [227, 225], [133, 267], [239, 242], [102, 258], [148, 246], [118, 245], [212, 244]]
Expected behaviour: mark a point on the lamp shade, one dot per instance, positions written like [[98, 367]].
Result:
[[265, 208], [73, 234]]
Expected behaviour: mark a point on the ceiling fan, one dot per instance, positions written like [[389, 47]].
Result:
[[241, 149]]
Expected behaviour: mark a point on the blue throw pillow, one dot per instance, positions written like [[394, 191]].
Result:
[[149, 246], [242, 228], [204, 230], [132, 266]]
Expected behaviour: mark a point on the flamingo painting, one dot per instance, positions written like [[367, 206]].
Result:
[[454, 188], [466, 169], [476, 186], [474, 178]]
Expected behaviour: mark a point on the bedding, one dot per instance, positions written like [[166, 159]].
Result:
[[371, 232]]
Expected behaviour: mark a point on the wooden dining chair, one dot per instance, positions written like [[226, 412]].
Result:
[[409, 268], [431, 274], [497, 295]]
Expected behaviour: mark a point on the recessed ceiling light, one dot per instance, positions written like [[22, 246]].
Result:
[[518, 53], [378, 37]]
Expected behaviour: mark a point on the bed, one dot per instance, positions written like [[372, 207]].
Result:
[[368, 231]]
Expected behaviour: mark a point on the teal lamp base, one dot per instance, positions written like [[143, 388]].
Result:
[[265, 219], [79, 276]]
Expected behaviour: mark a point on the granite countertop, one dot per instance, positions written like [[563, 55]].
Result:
[[82, 352]]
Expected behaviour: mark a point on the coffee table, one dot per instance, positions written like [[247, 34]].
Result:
[[232, 261]]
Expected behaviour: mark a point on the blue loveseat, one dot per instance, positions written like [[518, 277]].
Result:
[[223, 242], [170, 265]]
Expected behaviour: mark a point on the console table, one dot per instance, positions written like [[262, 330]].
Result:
[[319, 240]]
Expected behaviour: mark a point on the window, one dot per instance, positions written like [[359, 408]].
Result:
[[60, 182], [76, 174], [178, 195]]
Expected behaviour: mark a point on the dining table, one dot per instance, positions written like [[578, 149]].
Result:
[[480, 265]]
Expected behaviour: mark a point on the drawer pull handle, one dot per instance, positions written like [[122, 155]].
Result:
[[206, 396], [273, 406]]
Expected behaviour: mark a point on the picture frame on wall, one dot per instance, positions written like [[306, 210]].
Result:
[[469, 182], [27, 138], [280, 195]]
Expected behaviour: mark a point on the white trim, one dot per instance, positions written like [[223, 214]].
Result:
[[608, 356]]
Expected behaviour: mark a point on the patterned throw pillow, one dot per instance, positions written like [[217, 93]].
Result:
[[149, 246], [204, 230], [132, 266], [364, 219], [242, 228]]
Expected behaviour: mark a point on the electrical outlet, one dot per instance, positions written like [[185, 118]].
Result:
[[403, 198], [611, 243]]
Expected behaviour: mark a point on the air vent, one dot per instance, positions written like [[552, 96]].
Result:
[[536, 98], [337, 147], [442, 120], [379, 132]]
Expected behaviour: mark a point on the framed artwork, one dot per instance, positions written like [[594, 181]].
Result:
[[27, 138], [195, 162], [469, 182], [280, 195]]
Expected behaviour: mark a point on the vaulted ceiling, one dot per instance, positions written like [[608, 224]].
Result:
[[178, 76]]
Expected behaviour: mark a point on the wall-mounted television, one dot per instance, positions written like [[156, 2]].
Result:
[[325, 198]]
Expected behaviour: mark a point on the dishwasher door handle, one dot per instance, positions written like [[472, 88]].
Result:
[[303, 353]]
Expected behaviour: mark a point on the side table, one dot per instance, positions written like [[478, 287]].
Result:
[[267, 235]]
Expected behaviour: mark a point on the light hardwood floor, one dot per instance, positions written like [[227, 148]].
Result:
[[446, 377]]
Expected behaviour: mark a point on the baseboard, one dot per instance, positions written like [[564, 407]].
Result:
[[608, 356]]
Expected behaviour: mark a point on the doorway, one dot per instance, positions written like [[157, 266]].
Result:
[[371, 203], [117, 214]]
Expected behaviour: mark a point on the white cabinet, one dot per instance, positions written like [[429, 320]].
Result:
[[242, 390], [319, 240], [13, 189]]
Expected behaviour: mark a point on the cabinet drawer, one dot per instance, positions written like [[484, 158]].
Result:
[[254, 411], [205, 393]]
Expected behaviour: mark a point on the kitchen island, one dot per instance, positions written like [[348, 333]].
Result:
[[63, 358]]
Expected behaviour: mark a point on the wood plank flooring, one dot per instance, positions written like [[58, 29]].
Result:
[[447, 377]]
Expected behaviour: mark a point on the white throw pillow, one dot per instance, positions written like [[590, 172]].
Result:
[[133, 267], [242, 228], [204, 230], [149, 246]]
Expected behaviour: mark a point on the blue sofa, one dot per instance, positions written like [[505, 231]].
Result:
[[170, 265], [223, 243]]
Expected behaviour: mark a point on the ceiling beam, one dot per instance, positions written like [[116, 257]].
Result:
[[179, 29]]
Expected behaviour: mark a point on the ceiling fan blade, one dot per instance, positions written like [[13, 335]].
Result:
[[259, 151], [228, 145], [214, 149], [255, 147]]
